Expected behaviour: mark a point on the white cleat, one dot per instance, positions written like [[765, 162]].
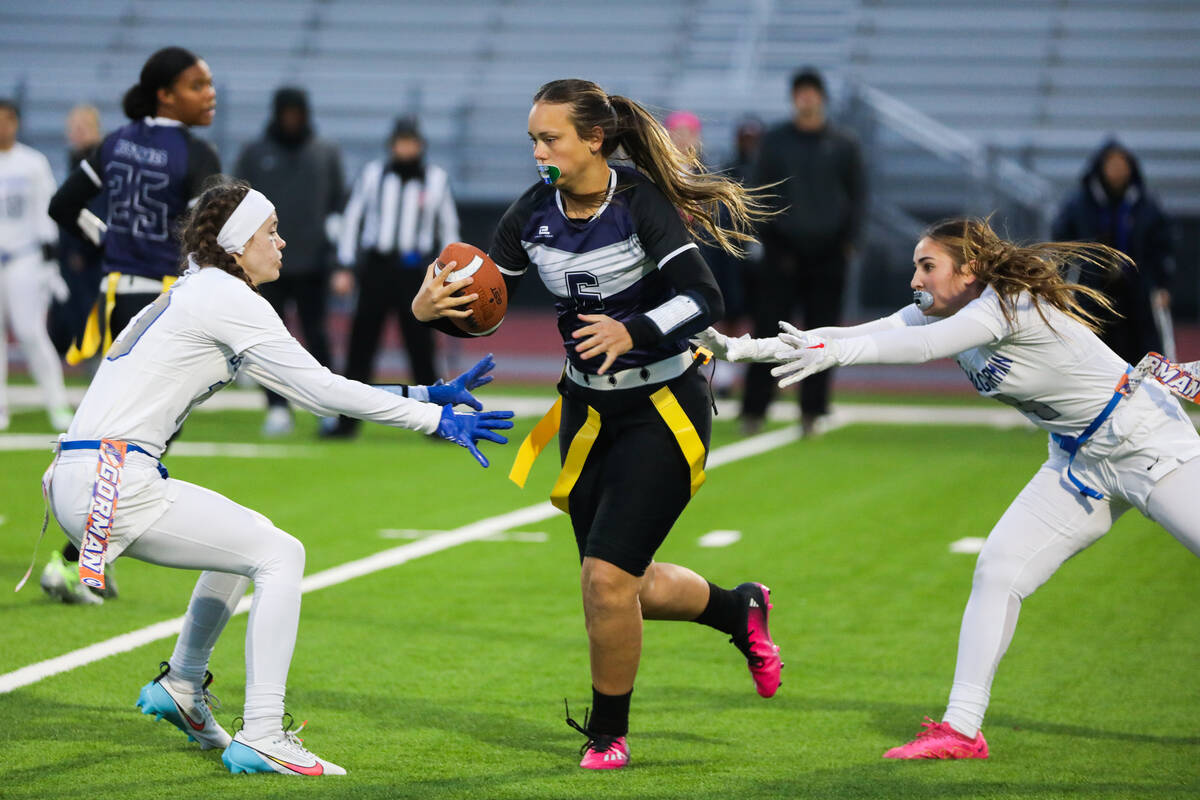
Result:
[[283, 753], [189, 710]]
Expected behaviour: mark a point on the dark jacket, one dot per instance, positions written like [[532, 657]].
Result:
[[1133, 222], [303, 178], [824, 189]]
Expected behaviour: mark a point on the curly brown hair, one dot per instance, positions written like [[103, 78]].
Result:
[[697, 193], [1011, 269], [199, 228]]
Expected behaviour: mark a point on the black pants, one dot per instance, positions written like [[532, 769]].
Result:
[[310, 293], [385, 287], [785, 280], [636, 481]]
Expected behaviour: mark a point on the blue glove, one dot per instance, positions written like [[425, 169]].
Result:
[[467, 429], [459, 390]]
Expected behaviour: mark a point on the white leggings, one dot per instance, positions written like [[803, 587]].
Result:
[[234, 546], [1045, 525], [24, 298]]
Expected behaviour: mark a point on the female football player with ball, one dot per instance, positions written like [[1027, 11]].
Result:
[[1015, 327], [113, 497], [615, 246]]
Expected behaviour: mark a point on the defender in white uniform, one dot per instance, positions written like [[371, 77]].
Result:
[[1008, 318], [27, 238], [177, 352]]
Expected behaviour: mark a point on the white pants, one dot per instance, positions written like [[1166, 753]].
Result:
[[24, 299], [1046, 524], [234, 546]]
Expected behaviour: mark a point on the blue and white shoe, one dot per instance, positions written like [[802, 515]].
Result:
[[283, 753], [191, 712]]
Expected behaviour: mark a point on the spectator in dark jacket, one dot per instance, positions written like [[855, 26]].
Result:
[[821, 197], [302, 174], [1112, 206]]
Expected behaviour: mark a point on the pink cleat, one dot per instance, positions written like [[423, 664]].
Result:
[[939, 740], [605, 752], [601, 750], [762, 654]]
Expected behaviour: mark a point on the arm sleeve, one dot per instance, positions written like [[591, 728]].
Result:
[[82, 184], [664, 237], [697, 304], [202, 163], [905, 317], [337, 182], [1159, 250], [283, 366], [915, 345], [43, 189]]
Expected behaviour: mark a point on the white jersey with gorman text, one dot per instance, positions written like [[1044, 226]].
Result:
[[191, 342], [26, 185], [1054, 370]]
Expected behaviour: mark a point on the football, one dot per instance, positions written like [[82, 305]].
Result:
[[489, 308]]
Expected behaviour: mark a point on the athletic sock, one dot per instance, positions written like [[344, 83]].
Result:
[[70, 553], [610, 713], [726, 611]]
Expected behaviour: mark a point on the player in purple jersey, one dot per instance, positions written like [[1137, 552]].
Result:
[[151, 169], [615, 246]]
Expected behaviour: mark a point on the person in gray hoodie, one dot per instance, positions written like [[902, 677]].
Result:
[[303, 173]]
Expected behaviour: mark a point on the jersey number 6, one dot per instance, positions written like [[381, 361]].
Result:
[[585, 291]]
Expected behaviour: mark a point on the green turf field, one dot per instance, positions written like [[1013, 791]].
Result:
[[444, 677]]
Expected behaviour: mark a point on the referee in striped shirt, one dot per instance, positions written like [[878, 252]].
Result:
[[399, 216]]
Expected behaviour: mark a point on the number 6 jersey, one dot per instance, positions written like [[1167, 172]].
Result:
[[633, 261]]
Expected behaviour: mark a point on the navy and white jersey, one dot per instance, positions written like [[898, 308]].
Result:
[[150, 170], [634, 261]]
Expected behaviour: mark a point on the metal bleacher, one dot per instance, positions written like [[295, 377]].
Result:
[[962, 105]]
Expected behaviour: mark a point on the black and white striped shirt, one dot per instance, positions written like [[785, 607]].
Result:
[[387, 214]]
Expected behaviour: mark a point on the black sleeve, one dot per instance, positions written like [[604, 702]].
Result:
[[668, 243], [692, 279], [1159, 250], [202, 163], [71, 198]]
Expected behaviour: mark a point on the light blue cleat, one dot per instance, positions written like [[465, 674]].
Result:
[[190, 712], [284, 753]]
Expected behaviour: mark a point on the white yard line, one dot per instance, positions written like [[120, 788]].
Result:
[[357, 569]]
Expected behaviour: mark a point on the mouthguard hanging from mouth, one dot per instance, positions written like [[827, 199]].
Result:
[[549, 173], [923, 300]]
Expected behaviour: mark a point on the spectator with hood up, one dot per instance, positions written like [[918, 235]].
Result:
[[303, 174]]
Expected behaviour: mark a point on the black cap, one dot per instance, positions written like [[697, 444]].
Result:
[[405, 127], [809, 76]]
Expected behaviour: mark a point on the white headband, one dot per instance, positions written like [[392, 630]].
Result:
[[247, 218]]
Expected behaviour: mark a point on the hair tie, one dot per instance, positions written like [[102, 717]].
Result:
[[247, 218]]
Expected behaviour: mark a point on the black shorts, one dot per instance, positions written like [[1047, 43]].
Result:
[[636, 480]]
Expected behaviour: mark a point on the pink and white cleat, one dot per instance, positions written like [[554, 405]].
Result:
[[605, 752], [762, 654], [939, 740], [601, 750]]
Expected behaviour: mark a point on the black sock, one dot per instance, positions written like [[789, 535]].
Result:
[[726, 611], [610, 713], [70, 552]]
